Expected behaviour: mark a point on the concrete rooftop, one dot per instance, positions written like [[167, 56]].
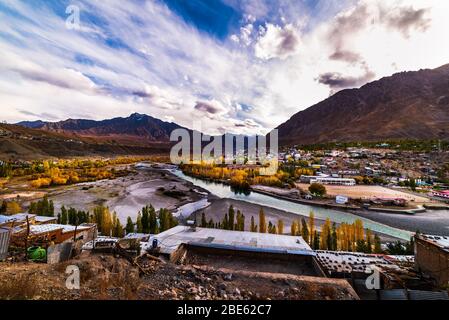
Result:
[[236, 240]]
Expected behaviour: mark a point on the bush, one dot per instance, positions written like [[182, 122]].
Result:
[[317, 189]]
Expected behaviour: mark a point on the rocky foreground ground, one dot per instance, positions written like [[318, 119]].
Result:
[[112, 278]]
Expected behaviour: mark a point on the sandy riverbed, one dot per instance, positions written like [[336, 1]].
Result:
[[128, 195]]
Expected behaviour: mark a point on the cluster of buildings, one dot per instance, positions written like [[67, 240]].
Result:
[[393, 166], [24, 229], [372, 276]]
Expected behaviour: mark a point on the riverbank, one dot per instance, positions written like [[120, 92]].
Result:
[[128, 195]]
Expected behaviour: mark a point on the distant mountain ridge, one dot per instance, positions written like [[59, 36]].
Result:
[[137, 128], [407, 105]]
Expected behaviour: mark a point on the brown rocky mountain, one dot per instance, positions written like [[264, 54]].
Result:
[[407, 105], [136, 129], [22, 143]]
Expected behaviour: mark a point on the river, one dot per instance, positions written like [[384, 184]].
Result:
[[223, 191]]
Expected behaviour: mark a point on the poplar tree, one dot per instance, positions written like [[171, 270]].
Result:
[[280, 228], [203, 220], [253, 227], [129, 226], [305, 231], [312, 226], [139, 223], [262, 222]]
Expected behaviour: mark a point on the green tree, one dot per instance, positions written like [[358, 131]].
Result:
[[3, 207], [203, 220], [145, 219], [64, 216], [139, 226], [377, 244], [316, 241], [412, 184], [253, 227], [305, 231], [231, 218], [129, 226], [154, 227]]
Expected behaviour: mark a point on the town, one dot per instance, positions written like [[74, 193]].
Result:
[[170, 249]]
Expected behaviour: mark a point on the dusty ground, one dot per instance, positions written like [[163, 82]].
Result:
[[365, 192], [107, 277]]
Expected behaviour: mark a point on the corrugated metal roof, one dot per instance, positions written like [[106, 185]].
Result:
[[5, 235], [396, 294], [44, 228], [428, 295], [22, 216], [44, 219], [171, 239]]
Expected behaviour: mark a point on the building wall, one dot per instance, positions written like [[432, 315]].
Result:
[[432, 261]]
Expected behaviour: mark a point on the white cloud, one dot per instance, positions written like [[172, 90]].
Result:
[[164, 67], [277, 42]]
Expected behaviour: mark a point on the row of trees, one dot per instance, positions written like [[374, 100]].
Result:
[[150, 221], [242, 178], [42, 207], [72, 216], [345, 237]]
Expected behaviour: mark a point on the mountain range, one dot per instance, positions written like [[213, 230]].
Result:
[[406, 105]]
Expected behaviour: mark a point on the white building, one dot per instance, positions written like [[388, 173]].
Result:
[[334, 181]]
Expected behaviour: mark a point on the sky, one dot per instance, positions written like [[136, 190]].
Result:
[[234, 66]]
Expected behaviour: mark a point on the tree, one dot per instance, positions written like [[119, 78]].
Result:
[[203, 220], [316, 241], [412, 184], [280, 229], [103, 218], [317, 189], [64, 217], [272, 228], [167, 221], [117, 228], [231, 218], [153, 223], [369, 245], [294, 228], [145, 220], [305, 231], [377, 244], [129, 226], [325, 241], [139, 226], [253, 227], [43, 207], [225, 222], [334, 237], [12, 207], [262, 222], [311, 226], [3, 207]]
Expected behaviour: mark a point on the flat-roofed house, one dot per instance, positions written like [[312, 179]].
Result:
[[432, 257]]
